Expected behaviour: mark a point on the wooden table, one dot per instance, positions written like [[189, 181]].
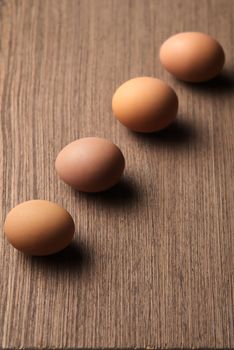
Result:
[[152, 262]]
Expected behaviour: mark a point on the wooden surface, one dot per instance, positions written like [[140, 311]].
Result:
[[152, 261]]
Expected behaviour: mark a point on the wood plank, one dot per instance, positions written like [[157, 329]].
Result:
[[152, 263]]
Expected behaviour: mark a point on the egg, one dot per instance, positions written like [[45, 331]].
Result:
[[90, 164], [39, 227], [192, 56], [145, 104]]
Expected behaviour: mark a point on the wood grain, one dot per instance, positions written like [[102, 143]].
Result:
[[152, 261]]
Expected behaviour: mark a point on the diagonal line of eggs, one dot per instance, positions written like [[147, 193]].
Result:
[[40, 227], [93, 164], [146, 104]]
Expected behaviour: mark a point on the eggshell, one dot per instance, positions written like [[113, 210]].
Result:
[[145, 104], [39, 227], [90, 164], [192, 56]]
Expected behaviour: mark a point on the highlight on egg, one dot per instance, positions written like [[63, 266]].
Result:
[[39, 227], [192, 56], [145, 104], [90, 164]]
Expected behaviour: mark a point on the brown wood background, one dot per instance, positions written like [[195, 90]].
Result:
[[153, 259]]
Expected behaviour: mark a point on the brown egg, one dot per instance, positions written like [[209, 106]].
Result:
[[192, 57], [145, 104], [90, 164], [39, 227]]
